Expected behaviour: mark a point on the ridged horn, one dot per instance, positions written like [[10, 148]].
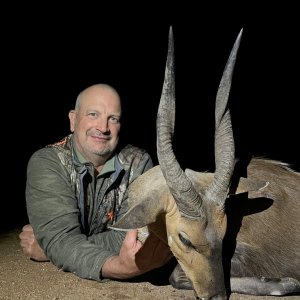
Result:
[[224, 141], [187, 198]]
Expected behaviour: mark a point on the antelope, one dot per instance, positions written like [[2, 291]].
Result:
[[234, 230]]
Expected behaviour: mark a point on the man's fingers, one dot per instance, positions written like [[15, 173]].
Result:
[[26, 235], [131, 239], [131, 236], [27, 227]]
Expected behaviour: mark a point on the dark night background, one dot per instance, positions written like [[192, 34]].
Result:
[[49, 55]]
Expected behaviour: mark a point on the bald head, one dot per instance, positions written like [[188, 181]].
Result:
[[96, 90]]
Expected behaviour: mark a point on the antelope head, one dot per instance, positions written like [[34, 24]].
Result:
[[186, 208]]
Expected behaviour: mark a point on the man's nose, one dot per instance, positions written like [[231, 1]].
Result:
[[102, 125]]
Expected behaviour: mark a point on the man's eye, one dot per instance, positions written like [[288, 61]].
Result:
[[92, 115], [114, 120]]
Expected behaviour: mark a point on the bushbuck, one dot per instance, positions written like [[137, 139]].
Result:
[[234, 230]]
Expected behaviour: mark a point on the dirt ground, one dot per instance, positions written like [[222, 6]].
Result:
[[21, 278]]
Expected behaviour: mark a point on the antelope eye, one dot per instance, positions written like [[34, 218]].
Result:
[[185, 241]]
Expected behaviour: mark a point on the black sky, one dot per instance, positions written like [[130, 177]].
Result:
[[49, 57]]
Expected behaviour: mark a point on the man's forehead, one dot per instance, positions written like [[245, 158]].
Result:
[[100, 104]]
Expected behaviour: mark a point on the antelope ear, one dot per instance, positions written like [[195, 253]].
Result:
[[146, 200], [141, 214], [247, 185]]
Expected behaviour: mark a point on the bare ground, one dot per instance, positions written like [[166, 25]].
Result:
[[21, 278]]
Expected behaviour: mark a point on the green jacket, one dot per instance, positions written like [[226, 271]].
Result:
[[69, 207]]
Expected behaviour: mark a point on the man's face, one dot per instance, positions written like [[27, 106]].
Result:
[[96, 123]]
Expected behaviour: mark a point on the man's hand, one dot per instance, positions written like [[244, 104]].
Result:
[[30, 245], [136, 258]]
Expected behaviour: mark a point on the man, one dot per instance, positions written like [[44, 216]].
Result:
[[77, 187]]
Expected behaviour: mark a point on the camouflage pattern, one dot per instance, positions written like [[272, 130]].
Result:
[[70, 207]]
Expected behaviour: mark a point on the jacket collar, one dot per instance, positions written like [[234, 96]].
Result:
[[113, 165]]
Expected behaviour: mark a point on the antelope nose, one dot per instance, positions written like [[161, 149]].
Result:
[[216, 297], [212, 298]]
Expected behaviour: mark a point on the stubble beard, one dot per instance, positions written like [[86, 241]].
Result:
[[104, 152]]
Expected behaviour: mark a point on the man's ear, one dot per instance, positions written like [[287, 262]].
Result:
[[72, 117]]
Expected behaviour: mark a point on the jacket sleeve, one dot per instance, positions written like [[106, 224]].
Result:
[[54, 215]]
